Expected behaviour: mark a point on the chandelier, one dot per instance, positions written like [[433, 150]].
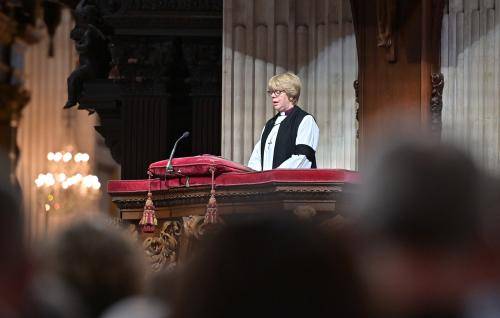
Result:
[[67, 186]]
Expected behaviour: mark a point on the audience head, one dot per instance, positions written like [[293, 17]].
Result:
[[137, 307], [489, 259], [269, 268], [163, 285], [490, 213], [49, 297], [419, 211], [423, 194], [100, 262]]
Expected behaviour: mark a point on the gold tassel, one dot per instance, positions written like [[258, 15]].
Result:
[[211, 213], [148, 221]]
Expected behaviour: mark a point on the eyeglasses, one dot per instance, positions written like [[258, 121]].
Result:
[[274, 93]]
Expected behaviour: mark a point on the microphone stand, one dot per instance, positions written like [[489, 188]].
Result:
[[170, 168]]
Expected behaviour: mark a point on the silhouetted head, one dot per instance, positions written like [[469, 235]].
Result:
[[419, 211], [99, 262], [421, 193], [269, 268]]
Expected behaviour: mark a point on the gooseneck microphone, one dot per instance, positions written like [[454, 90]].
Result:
[[170, 168]]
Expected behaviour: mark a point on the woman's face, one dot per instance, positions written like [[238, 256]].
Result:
[[281, 102]]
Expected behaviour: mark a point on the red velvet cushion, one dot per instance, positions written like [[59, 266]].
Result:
[[198, 166], [301, 176]]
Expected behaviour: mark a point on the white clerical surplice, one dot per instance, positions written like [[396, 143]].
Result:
[[307, 134]]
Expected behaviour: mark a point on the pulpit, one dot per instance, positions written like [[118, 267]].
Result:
[[181, 195]]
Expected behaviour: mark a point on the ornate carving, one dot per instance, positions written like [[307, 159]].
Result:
[[204, 63], [195, 229], [163, 249], [194, 226], [133, 232], [305, 212], [140, 61], [309, 189], [107, 7], [386, 16], [163, 26], [436, 102], [175, 5], [336, 223], [91, 42], [175, 197], [356, 94]]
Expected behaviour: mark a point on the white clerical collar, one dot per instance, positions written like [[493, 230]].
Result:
[[288, 112]]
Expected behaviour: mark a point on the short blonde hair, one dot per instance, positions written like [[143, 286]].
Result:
[[287, 82]]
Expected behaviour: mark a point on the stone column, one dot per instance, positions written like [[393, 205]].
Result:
[[470, 51], [313, 38]]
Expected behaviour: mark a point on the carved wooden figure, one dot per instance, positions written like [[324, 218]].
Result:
[[92, 46]]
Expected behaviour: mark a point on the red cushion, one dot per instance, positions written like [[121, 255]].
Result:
[[198, 166], [301, 176]]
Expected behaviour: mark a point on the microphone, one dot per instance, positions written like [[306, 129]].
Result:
[[169, 167]]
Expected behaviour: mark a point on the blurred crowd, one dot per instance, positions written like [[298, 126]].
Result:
[[420, 239]]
